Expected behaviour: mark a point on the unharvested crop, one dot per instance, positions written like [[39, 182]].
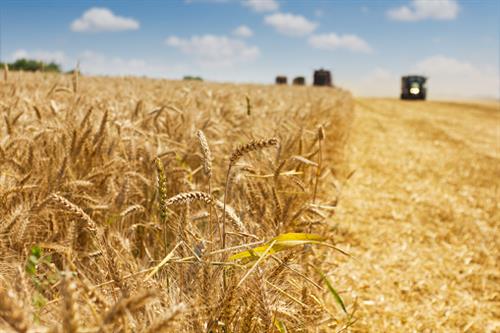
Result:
[[114, 218]]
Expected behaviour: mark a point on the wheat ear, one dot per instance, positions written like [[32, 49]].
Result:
[[207, 155], [162, 189], [132, 209], [253, 145], [12, 313], [71, 207], [187, 197], [131, 304], [231, 213], [164, 324]]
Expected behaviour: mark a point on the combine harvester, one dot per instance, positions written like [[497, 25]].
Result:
[[413, 87]]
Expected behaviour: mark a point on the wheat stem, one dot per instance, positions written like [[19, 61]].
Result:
[[321, 137]]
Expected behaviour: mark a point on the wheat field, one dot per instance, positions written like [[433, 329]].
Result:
[[140, 205]]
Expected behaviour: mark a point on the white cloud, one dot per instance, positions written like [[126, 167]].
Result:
[[441, 64], [425, 9], [102, 19], [378, 82], [211, 50], [94, 63], [290, 24], [20, 54], [243, 31], [319, 13], [450, 77], [42, 55], [333, 41], [261, 5]]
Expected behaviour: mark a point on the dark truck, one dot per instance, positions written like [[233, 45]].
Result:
[[322, 78], [413, 87], [281, 79], [299, 81]]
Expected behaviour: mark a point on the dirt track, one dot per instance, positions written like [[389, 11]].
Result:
[[421, 215]]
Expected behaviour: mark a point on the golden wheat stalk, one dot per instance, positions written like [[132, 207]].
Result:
[[70, 309], [321, 137], [5, 72], [249, 105], [207, 168], [76, 74], [238, 153]]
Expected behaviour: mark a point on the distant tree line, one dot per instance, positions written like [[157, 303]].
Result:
[[192, 78], [31, 65]]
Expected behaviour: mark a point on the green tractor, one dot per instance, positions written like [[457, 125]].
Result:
[[413, 87]]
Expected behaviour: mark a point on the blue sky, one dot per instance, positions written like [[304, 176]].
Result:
[[368, 45]]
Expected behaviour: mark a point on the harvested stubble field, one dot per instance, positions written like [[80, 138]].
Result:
[[90, 241], [422, 215], [136, 205]]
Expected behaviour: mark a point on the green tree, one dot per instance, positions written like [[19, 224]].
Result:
[[192, 78], [34, 65]]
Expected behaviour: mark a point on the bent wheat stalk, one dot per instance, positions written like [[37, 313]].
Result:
[[207, 169], [239, 152], [71, 207], [124, 305]]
